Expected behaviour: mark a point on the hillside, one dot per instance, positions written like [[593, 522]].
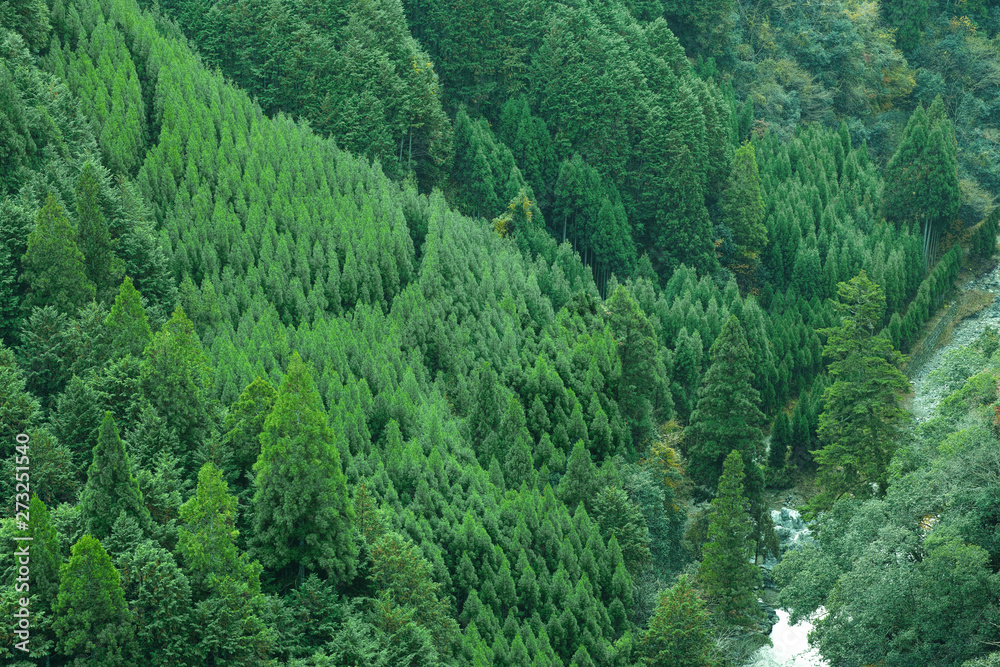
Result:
[[330, 346]]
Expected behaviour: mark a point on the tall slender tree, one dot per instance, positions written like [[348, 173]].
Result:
[[302, 516], [102, 266], [727, 576]]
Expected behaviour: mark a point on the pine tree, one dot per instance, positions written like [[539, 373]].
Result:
[[642, 387], [54, 268], [921, 179], [45, 354], [111, 489], [242, 428], [742, 204], [618, 515], [781, 436], [727, 576], [862, 420], [159, 597], [580, 483], [91, 618], [679, 634], [302, 517]]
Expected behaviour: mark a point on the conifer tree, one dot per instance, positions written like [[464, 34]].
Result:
[[742, 205], [642, 386], [177, 379], [861, 424], [618, 515], [727, 576], [679, 634], [111, 489], [207, 538], [302, 517], [91, 618], [159, 597], [127, 325], [101, 265], [580, 483], [727, 417], [781, 436], [45, 354], [54, 268], [242, 428], [46, 556], [921, 179]]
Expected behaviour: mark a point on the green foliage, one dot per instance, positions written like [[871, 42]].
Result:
[[679, 633], [103, 268], [922, 177], [159, 599], [90, 613], [111, 489], [742, 205], [46, 554], [727, 417], [54, 267], [302, 517], [127, 325], [641, 390], [207, 537], [861, 424], [177, 379], [727, 576]]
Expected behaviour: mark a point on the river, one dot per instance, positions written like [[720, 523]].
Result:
[[791, 642]]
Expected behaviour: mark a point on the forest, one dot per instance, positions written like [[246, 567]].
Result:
[[393, 333]]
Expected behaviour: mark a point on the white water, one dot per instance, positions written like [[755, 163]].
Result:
[[790, 642], [791, 645]]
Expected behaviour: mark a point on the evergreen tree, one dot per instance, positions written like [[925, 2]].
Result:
[[91, 618], [45, 354], [921, 179], [111, 489], [207, 538], [742, 204], [580, 483], [641, 388], [243, 426], [302, 517], [679, 633], [177, 379], [127, 325], [727, 576], [54, 268], [159, 598], [862, 421], [102, 267], [46, 555], [781, 438], [727, 417], [617, 515]]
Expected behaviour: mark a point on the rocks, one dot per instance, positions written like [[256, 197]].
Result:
[[925, 400]]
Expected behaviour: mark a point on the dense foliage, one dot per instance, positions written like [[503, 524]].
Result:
[[419, 333]]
